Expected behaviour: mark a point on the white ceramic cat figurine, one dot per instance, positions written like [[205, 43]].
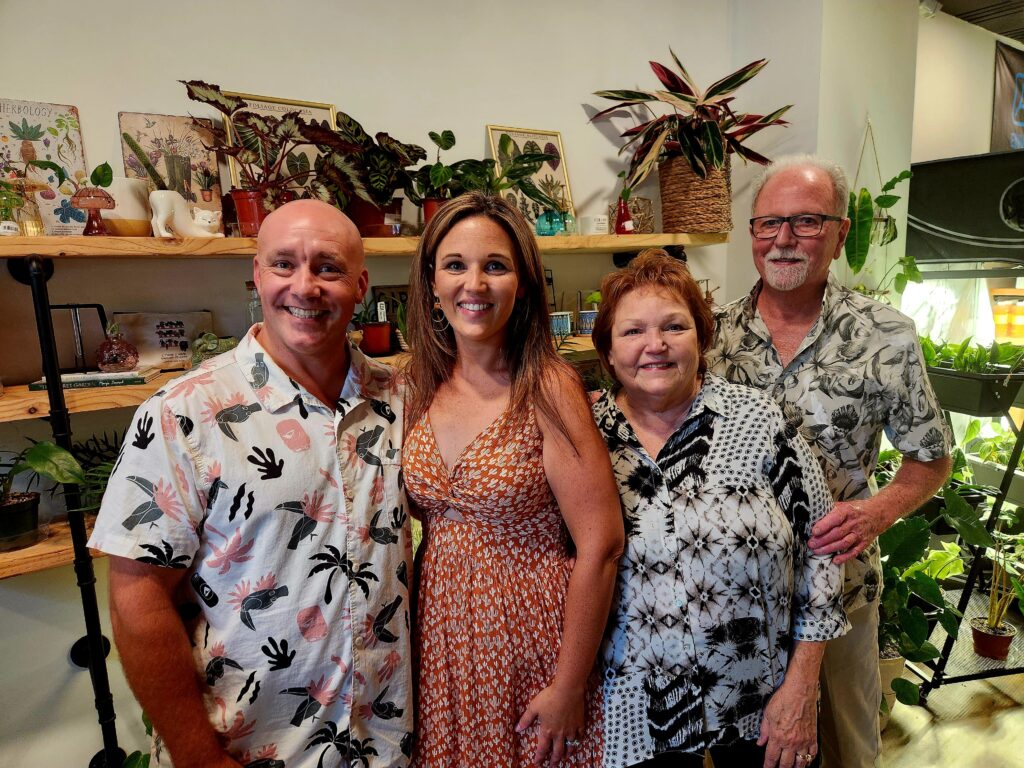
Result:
[[208, 220], [170, 216]]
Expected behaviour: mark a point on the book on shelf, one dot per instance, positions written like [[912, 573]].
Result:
[[90, 379]]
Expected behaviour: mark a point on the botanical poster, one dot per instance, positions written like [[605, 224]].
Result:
[[299, 159], [553, 177], [175, 148], [36, 130]]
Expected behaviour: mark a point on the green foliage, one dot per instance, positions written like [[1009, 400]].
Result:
[[266, 154], [380, 162], [44, 459], [702, 126], [101, 175], [998, 357], [870, 225]]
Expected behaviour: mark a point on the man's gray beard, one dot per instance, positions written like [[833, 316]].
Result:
[[785, 278]]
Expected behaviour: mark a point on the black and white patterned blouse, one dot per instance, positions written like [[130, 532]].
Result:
[[716, 581], [858, 373]]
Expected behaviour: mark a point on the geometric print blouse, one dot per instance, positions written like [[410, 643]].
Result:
[[857, 374], [290, 523], [717, 581]]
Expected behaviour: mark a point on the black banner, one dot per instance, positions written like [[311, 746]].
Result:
[[1008, 102]]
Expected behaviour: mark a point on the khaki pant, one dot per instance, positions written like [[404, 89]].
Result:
[[850, 694]]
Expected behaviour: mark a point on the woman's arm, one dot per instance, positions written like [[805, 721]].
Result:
[[580, 476], [790, 723]]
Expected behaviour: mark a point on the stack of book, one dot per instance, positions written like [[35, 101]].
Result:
[[100, 379]]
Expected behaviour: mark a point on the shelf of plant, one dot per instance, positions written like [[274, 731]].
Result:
[[244, 247], [52, 552], [976, 394], [19, 403]]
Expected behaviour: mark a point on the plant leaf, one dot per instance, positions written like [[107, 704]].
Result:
[[960, 516], [207, 93], [891, 183], [887, 201], [906, 691], [730, 83], [671, 80], [101, 175], [926, 588], [905, 542], [858, 240], [54, 462]]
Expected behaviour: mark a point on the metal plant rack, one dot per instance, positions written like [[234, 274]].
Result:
[[957, 648], [90, 650]]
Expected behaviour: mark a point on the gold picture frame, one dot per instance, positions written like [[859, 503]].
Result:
[[275, 106], [553, 176]]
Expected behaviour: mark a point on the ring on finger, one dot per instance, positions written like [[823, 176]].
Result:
[[804, 756], [572, 742]]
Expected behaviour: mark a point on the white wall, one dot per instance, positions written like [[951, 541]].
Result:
[[955, 83], [868, 68]]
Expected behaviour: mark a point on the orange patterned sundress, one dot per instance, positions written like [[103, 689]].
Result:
[[491, 598]]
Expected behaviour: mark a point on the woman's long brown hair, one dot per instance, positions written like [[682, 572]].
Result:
[[533, 363]]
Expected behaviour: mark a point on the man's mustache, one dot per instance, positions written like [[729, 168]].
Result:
[[789, 254]]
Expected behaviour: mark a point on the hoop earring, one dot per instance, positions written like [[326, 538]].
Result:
[[438, 319]]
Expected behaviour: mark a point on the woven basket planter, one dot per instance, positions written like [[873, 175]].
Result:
[[692, 204]]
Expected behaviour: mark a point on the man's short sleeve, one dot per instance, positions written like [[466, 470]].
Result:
[[915, 425], [152, 507]]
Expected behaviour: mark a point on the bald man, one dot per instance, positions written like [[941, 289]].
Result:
[[257, 529]]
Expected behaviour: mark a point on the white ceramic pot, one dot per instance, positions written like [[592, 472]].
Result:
[[131, 214], [889, 670]]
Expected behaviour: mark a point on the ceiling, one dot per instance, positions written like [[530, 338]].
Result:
[[1004, 17]]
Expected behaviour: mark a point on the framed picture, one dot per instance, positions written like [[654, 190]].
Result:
[[310, 111], [553, 177], [37, 130], [176, 148]]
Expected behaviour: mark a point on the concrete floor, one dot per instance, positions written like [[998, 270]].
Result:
[[979, 724]]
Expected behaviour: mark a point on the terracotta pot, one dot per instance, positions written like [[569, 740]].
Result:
[[376, 338], [374, 221], [19, 519], [207, 195], [430, 206], [250, 211], [989, 644]]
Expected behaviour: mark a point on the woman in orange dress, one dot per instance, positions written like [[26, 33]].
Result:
[[504, 465]]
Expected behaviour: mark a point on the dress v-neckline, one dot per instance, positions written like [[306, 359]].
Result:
[[458, 459]]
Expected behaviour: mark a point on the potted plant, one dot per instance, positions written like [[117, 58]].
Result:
[[992, 635], [205, 178], [989, 455], [266, 156], [376, 339], [380, 165], [909, 571], [973, 379], [691, 144], [19, 510], [432, 183]]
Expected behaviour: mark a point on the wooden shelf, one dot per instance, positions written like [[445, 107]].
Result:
[[19, 403], [244, 247], [52, 552]]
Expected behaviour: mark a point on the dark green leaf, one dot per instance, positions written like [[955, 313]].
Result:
[[926, 588], [297, 163], [906, 691], [887, 201], [440, 174], [900, 283], [948, 620], [914, 624], [712, 143], [904, 542], [926, 652], [50, 166], [960, 516], [212, 95], [891, 183], [101, 175], [858, 240], [444, 140], [636, 96]]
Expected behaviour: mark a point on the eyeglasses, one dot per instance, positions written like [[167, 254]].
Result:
[[800, 224]]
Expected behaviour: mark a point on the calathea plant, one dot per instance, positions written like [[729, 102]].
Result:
[[266, 150]]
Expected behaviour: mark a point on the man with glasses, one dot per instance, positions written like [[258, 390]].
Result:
[[844, 368]]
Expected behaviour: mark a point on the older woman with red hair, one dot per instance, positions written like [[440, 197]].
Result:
[[721, 610]]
